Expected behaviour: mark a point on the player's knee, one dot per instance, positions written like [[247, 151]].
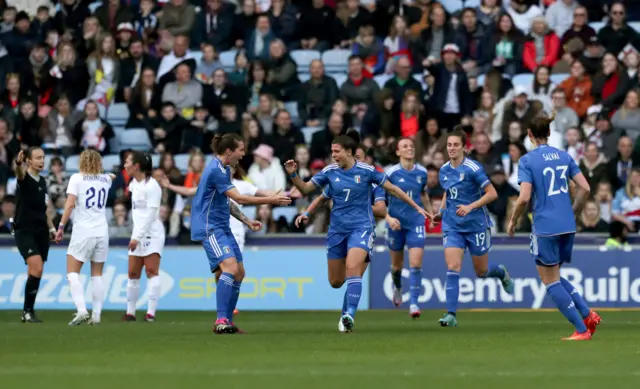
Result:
[[36, 270], [454, 267], [151, 272], [336, 283], [134, 275], [481, 272]]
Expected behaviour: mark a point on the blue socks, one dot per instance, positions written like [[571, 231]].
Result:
[[396, 276], [565, 305], [581, 305], [235, 294], [224, 293], [354, 291], [494, 271], [415, 284], [344, 303], [452, 291]]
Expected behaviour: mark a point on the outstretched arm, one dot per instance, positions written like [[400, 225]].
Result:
[[237, 213], [305, 188], [394, 190], [275, 199]]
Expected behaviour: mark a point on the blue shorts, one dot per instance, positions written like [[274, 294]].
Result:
[[478, 243], [221, 245], [551, 250], [411, 237], [339, 244]]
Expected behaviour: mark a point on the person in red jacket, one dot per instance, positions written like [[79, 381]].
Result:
[[542, 46]]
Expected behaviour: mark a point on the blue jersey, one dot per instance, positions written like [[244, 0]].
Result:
[[464, 185], [210, 205], [549, 170], [378, 193], [352, 195], [413, 183]]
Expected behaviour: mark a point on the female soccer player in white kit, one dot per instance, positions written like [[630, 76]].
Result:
[[147, 239], [87, 194]]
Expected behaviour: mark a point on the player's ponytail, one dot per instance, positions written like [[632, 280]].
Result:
[[541, 125], [143, 160], [221, 143]]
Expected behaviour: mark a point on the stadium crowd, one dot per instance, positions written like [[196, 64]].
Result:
[[290, 76]]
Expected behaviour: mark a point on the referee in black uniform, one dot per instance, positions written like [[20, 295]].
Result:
[[33, 228]]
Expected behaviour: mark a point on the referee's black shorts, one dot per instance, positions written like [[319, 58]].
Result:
[[32, 243]]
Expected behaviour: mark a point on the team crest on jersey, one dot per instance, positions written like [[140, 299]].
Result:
[[419, 180], [226, 250], [357, 179], [461, 176]]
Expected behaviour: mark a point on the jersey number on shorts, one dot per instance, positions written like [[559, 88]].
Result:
[[453, 192], [480, 238], [552, 180], [102, 198]]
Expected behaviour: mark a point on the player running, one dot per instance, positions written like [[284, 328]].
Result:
[[210, 213], [405, 226], [350, 237], [147, 239], [545, 172], [465, 222], [87, 197], [379, 208]]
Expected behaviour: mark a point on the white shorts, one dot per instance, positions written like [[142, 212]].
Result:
[[149, 246], [93, 249], [239, 240]]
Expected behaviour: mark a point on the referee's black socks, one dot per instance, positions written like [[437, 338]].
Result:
[[30, 292]]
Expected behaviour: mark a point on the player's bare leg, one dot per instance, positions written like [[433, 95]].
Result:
[[397, 262], [415, 280], [97, 292], [35, 265], [133, 286], [224, 294], [77, 291], [152, 270], [484, 269], [453, 256]]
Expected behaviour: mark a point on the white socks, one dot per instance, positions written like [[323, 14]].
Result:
[[77, 292], [154, 295], [97, 291], [133, 289]]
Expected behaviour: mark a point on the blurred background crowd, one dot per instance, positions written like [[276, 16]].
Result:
[[290, 75]]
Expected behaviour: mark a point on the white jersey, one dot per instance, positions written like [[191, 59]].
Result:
[[244, 188], [145, 209], [89, 217]]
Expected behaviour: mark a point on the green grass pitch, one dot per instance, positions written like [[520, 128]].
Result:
[[304, 350]]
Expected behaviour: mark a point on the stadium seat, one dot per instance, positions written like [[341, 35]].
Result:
[[197, 55], [109, 162], [303, 77], [136, 139], [558, 78], [453, 6], [108, 212], [308, 132], [155, 160], [339, 77], [303, 58], [635, 26], [118, 114], [289, 213], [228, 59], [597, 26], [480, 79], [94, 6], [249, 211], [523, 79], [102, 111], [381, 79], [292, 108], [72, 164], [336, 60], [182, 162], [114, 143]]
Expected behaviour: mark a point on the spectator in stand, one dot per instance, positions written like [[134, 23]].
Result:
[[214, 26], [104, 72], [264, 214], [169, 169], [606, 136], [371, 50], [166, 130], [472, 39], [434, 189], [522, 109], [243, 22], [429, 141], [542, 46], [71, 16], [604, 196], [316, 26], [266, 172], [574, 140], [145, 101], [92, 132], [566, 117], [507, 44], [488, 12], [627, 117], [522, 12], [578, 89], [112, 13], [257, 84], [620, 167], [402, 83], [396, 44], [13, 95], [626, 203], [18, 41], [253, 136], [8, 19], [380, 123], [358, 91], [515, 134], [497, 85], [185, 93], [505, 193], [178, 17], [542, 87], [579, 30], [7, 212], [317, 96], [146, 23], [350, 17], [194, 170], [321, 140], [631, 60], [610, 84], [259, 40], [303, 161], [131, 68], [285, 137], [266, 112], [560, 15], [594, 166], [120, 226], [123, 39], [35, 76], [9, 145], [221, 91], [283, 72], [590, 220], [483, 151], [617, 33], [208, 64], [411, 118], [180, 54], [69, 74], [61, 120], [88, 39], [450, 104], [229, 122], [57, 179], [28, 126], [428, 49], [284, 19], [238, 76]]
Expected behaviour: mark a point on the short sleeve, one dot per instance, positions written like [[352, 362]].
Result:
[[573, 168], [378, 178], [425, 178], [327, 192], [72, 188], [154, 195], [220, 179], [481, 178], [524, 172], [321, 179], [379, 194]]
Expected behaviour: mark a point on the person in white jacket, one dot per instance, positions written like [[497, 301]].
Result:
[[266, 172]]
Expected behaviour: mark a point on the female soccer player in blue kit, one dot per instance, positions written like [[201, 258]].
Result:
[[465, 222], [405, 227], [210, 213], [350, 236], [544, 174]]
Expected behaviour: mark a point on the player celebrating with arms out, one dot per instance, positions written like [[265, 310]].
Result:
[[350, 236], [405, 226], [544, 173], [87, 194], [210, 213], [465, 222]]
